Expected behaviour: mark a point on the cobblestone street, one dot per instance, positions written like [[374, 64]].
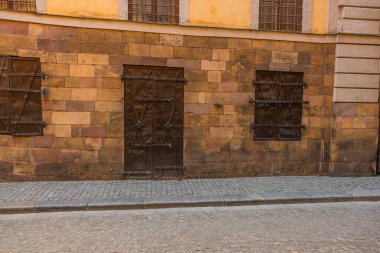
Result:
[[334, 227]]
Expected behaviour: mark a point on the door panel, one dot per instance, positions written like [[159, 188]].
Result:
[[153, 121]]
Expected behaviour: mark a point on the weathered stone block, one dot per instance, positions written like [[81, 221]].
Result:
[[213, 65], [6, 168], [101, 59], [70, 118], [45, 155], [214, 76], [139, 49], [161, 51], [202, 109], [68, 58], [114, 156], [62, 131], [80, 106], [221, 132], [220, 55], [51, 169], [284, 57], [171, 40], [82, 71], [84, 94], [108, 106]]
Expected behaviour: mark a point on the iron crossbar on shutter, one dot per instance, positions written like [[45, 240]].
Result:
[[278, 105]]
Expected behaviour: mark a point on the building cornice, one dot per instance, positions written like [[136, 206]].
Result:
[[181, 29]]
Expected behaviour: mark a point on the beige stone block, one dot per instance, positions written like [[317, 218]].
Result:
[[356, 95], [82, 71], [110, 94], [214, 76], [202, 97], [70, 118], [361, 13], [220, 55], [101, 59], [17, 41], [279, 66], [108, 71], [284, 57], [139, 49], [62, 131], [213, 65], [360, 66], [93, 143], [69, 58], [357, 81], [357, 51], [359, 27], [221, 132], [161, 51], [359, 3], [171, 40], [59, 94], [107, 106], [84, 94], [51, 69]]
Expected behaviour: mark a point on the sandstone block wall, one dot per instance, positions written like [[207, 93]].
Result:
[[84, 109]]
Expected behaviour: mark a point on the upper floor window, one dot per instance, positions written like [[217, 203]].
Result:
[[154, 11], [18, 5], [281, 15]]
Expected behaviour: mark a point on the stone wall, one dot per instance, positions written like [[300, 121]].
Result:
[[356, 88], [84, 109]]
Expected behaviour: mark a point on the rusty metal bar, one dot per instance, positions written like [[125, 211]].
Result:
[[168, 145], [23, 90], [257, 82], [168, 167], [167, 100]]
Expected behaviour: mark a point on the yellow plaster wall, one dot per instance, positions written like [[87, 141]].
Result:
[[83, 8], [224, 13], [320, 14]]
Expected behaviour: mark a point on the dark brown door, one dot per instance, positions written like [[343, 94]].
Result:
[[153, 121]]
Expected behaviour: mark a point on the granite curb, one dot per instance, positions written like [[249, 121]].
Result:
[[268, 198]]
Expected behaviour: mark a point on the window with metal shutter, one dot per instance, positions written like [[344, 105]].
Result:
[[278, 105], [20, 97]]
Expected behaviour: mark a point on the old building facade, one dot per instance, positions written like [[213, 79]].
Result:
[[188, 88]]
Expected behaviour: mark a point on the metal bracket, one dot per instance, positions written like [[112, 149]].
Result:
[[257, 82], [45, 91]]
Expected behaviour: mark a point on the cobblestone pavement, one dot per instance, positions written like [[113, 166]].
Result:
[[335, 227], [87, 190]]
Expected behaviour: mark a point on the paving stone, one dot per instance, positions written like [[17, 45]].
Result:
[[328, 227], [130, 193]]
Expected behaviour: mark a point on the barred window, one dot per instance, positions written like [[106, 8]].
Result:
[[20, 96], [281, 15], [154, 11], [18, 5], [278, 105]]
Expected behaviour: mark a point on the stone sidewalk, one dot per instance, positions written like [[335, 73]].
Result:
[[26, 197]]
